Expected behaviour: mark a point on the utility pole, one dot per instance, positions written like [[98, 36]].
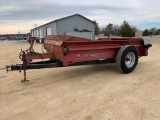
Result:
[[34, 32], [18, 35], [35, 25]]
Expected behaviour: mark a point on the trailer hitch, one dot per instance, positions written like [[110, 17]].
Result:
[[26, 58], [23, 65]]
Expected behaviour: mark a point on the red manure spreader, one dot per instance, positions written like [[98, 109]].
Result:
[[63, 50]]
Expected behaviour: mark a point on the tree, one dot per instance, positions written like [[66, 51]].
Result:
[[127, 30], [151, 33], [145, 32], [157, 32], [115, 30], [97, 29], [109, 29]]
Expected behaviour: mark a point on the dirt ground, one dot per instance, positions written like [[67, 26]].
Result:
[[94, 92]]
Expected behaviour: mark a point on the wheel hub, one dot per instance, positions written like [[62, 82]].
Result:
[[130, 59]]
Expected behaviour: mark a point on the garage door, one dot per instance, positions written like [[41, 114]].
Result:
[[40, 32], [48, 30], [34, 33], [37, 33]]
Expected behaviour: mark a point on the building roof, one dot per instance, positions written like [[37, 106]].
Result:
[[64, 18]]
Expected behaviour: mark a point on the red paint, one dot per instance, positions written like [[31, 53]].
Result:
[[81, 49], [30, 57]]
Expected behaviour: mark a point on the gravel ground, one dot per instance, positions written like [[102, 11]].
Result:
[[93, 92]]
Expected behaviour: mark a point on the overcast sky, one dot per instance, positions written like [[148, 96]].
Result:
[[22, 15]]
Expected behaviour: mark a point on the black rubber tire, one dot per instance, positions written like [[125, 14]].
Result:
[[121, 58]]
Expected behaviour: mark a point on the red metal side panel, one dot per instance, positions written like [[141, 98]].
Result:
[[55, 44], [64, 38], [92, 50], [138, 43], [80, 50], [95, 50], [30, 57]]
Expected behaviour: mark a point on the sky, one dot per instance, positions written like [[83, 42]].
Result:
[[23, 15]]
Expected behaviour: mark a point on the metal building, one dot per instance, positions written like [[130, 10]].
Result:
[[74, 25]]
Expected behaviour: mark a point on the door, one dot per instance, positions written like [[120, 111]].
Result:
[[40, 32], [37, 33], [48, 30], [32, 33]]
